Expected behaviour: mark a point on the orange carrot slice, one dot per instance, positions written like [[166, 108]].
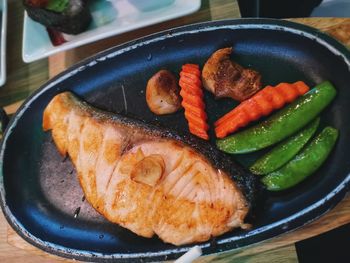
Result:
[[261, 104], [192, 100], [189, 88]]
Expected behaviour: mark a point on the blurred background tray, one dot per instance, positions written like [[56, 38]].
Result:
[[109, 18]]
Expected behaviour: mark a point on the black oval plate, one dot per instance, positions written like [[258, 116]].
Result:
[[41, 197]]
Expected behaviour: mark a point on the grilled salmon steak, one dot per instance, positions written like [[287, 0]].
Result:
[[148, 179]]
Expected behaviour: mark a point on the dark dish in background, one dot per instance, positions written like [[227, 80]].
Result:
[[294, 8], [67, 16]]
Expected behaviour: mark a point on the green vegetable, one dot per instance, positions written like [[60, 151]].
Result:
[[57, 5], [281, 124], [284, 151], [303, 164]]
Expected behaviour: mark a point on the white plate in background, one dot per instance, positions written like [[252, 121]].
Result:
[[109, 18], [3, 10]]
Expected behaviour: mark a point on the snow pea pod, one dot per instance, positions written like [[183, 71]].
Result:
[[304, 163], [281, 124], [285, 151]]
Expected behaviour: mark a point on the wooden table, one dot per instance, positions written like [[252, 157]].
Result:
[[22, 79]]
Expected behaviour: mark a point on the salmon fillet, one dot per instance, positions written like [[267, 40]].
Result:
[[143, 178]]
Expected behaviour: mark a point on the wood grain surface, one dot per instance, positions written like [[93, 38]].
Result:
[[24, 78]]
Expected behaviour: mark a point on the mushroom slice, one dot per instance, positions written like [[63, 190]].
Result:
[[225, 78], [163, 93]]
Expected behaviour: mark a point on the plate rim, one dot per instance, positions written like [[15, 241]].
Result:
[[295, 221]]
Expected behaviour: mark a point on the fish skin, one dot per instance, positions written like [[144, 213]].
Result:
[[136, 135]]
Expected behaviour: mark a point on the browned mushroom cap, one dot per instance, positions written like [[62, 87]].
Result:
[[225, 78], [163, 93]]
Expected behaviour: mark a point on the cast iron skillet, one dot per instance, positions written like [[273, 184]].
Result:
[[40, 195]]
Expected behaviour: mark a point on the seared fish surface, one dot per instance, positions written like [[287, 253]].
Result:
[[146, 179]]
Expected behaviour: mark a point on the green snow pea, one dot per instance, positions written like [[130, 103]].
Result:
[[281, 124], [284, 151], [303, 164]]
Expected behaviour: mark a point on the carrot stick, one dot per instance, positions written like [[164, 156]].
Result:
[[288, 91], [277, 99], [191, 68], [261, 104], [192, 100], [194, 111], [191, 79], [301, 87], [189, 65], [196, 120], [198, 131], [236, 122], [189, 88]]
